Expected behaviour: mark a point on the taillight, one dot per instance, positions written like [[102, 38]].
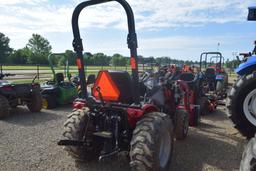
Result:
[[7, 88], [79, 104]]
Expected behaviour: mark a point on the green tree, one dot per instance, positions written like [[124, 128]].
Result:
[[40, 48], [20, 56], [5, 49], [71, 57], [88, 58], [118, 60], [100, 59]]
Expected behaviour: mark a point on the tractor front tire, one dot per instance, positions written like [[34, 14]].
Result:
[[35, 104], [49, 102], [4, 107], [152, 143], [181, 124], [74, 129], [241, 100], [248, 162]]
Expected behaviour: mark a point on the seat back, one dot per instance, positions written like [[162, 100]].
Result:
[[187, 76], [115, 86], [210, 73], [59, 77]]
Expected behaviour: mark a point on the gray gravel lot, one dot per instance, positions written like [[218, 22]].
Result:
[[28, 142]]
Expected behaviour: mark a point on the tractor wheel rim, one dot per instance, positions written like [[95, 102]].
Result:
[[44, 103], [249, 107], [165, 149]]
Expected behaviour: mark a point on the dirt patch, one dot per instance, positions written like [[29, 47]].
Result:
[[28, 142]]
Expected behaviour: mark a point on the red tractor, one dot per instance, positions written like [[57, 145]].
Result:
[[191, 85], [169, 96], [116, 118]]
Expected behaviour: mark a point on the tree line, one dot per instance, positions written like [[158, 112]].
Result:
[[38, 48]]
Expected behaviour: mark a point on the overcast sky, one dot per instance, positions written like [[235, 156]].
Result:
[[176, 28]]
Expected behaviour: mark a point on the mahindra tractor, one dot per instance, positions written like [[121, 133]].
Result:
[[195, 102], [115, 118], [168, 96], [13, 95]]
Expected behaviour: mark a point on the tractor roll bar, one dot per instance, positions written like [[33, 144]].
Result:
[[206, 54], [222, 59], [131, 41]]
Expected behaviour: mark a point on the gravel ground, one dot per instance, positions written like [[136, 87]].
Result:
[[28, 142]]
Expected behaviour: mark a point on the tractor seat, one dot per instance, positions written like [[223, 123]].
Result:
[[210, 73], [121, 84], [59, 77], [188, 77]]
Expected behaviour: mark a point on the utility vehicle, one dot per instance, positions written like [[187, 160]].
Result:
[[12, 95], [58, 91]]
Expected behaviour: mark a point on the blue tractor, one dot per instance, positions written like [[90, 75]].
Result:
[[242, 97]]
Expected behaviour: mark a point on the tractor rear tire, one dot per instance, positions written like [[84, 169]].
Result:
[[181, 124], [248, 162], [4, 107], [36, 102], [152, 143], [74, 129], [242, 116], [49, 102]]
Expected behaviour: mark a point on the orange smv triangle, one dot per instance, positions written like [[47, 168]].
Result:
[[107, 86]]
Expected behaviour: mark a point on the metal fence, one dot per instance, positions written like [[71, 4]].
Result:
[[27, 73]]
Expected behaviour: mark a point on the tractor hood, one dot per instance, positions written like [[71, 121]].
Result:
[[247, 67]]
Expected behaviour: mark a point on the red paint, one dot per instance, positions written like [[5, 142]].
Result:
[[79, 63], [135, 114], [184, 87], [133, 63], [7, 88], [79, 104]]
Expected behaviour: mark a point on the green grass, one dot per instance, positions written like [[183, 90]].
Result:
[[46, 76], [34, 67], [25, 81]]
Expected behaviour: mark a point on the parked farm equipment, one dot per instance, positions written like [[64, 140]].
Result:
[[58, 91], [115, 118], [12, 95], [170, 96], [216, 78], [242, 97]]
